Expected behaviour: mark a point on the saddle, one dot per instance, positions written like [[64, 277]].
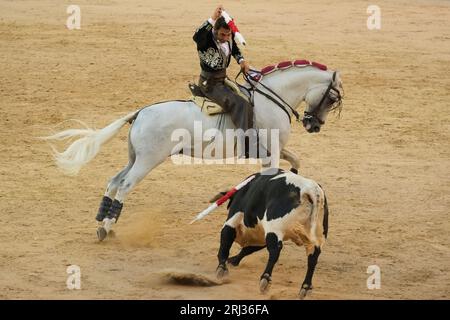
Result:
[[207, 106]]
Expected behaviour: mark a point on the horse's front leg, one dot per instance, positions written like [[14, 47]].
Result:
[[291, 158], [271, 160]]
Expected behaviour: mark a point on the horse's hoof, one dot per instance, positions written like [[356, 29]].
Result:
[[101, 233], [234, 261], [221, 272], [264, 283]]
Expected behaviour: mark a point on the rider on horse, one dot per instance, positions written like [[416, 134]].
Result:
[[215, 46]]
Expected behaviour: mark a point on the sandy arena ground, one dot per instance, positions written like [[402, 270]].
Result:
[[385, 164]]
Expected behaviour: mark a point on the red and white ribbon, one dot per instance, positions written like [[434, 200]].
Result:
[[222, 199], [233, 27]]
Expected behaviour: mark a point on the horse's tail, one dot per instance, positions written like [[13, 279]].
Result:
[[85, 148]]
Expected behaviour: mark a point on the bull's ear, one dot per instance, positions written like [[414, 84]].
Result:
[[217, 196]]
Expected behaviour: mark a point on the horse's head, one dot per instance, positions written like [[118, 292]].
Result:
[[320, 100]]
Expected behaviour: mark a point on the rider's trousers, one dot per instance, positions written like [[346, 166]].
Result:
[[241, 111]]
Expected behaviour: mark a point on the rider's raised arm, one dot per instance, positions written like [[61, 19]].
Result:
[[236, 52], [200, 35]]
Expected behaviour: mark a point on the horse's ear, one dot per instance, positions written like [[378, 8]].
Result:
[[337, 78]]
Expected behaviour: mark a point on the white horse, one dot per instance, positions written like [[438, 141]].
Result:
[[150, 143]]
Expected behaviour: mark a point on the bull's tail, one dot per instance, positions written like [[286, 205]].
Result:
[[318, 214], [325, 216], [85, 148], [325, 213]]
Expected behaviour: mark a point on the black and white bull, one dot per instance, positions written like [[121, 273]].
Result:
[[272, 209]]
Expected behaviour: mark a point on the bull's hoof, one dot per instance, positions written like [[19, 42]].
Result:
[[221, 272], [264, 283], [234, 261], [101, 233], [304, 291], [302, 294]]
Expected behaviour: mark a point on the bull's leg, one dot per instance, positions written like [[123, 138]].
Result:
[[312, 262], [274, 246], [227, 237], [235, 260]]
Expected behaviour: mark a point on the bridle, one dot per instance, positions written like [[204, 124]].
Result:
[[331, 92]]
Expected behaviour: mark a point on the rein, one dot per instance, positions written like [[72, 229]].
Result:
[[271, 98], [283, 104]]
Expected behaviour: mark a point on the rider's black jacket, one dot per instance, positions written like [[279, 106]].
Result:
[[212, 58]]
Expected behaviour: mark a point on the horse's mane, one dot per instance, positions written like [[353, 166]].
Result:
[[299, 63], [258, 75]]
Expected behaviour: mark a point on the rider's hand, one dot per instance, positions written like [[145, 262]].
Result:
[[245, 67], [217, 13]]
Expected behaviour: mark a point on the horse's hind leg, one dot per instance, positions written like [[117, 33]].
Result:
[[114, 183], [113, 186], [136, 173], [110, 193]]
